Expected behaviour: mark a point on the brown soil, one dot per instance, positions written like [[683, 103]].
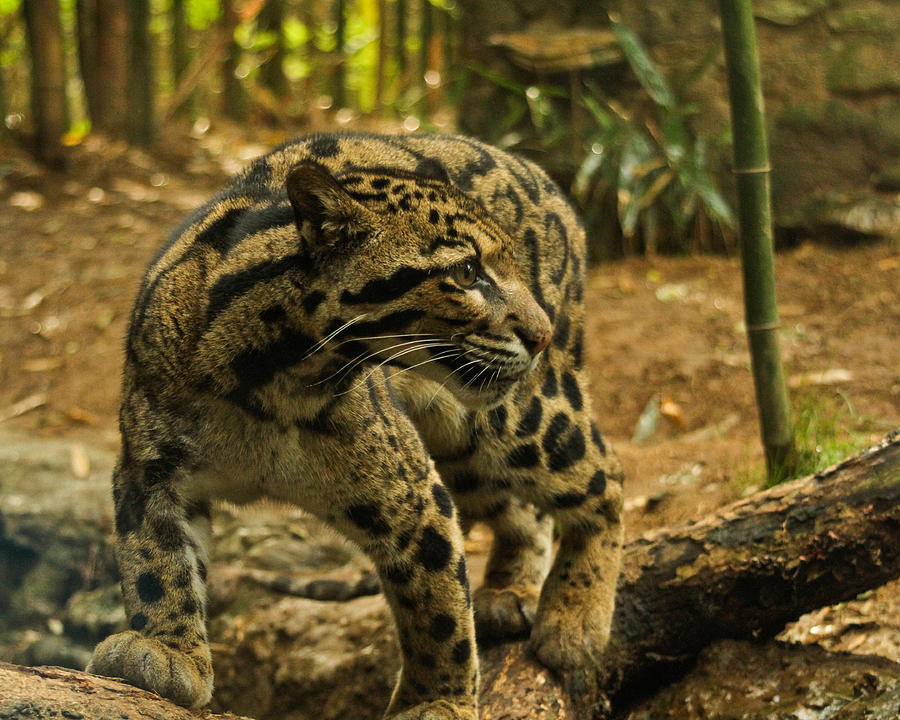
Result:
[[73, 247]]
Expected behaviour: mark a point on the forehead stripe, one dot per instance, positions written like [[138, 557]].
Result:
[[386, 289]]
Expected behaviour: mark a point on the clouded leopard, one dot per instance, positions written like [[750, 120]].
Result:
[[387, 332]]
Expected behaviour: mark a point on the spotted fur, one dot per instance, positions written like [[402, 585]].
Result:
[[386, 331]]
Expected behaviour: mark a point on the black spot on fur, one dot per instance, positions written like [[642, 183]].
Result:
[[368, 517], [433, 169], [160, 470], [149, 588], [578, 351], [138, 621], [467, 482], [550, 388], [561, 333], [312, 301], [597, 486], [403, 540], [324, 146], [398, 574], [168, 533], [497, 418], [568, 500], [442, 500], [189, 607], [272, 315], [462, 577], [462, 651], [558, 425], [434, 550], [218, 234], [597, 438], [434, 217], [572, 391], [524, 456], [442, 627], [568, 452], [531, 420]]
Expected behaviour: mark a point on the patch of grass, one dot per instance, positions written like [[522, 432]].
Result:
[[826, 429]]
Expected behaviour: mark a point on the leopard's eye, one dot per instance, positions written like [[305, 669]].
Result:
[[466, 273]]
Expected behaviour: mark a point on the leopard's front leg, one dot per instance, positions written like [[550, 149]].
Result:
[[378, 486], [161, 552]]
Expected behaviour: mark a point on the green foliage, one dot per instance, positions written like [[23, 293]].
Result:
[[655, 169], [646, 173], [826, 430]]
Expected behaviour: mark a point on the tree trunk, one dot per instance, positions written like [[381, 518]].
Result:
[[180, 54], [141, 82], [271, 19], [234, 98], [750, 568], [400, 29], [340, 65], [48, 97]]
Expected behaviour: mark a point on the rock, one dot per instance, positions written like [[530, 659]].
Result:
[[788, 12], [53, 527], [863, 16]]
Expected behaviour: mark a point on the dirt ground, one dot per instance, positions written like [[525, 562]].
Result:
[[664, 338]]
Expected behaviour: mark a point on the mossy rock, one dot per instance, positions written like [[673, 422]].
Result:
[[856, 67], [864, 16], [788, 12]]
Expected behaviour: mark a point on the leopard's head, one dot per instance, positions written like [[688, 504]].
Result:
[[428, 281]]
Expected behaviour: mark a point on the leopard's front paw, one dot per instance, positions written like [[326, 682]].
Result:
[[505, 613], [573, 637], [149, 664], [437, 710]]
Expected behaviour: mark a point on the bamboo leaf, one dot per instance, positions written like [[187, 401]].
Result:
[[643, 66]]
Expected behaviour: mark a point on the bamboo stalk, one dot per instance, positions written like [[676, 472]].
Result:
[[751, 156]]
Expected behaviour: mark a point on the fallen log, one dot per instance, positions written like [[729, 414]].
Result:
[[52, 692], [753, 566]]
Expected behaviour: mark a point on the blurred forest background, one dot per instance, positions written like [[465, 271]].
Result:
[[624, 102]]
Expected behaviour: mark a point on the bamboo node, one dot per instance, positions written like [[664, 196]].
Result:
[[762, 327], [761, 170]]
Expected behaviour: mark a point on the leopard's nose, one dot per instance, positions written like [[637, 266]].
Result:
[[533, 341]]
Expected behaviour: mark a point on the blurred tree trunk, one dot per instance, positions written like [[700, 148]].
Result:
[[340, 69], [271, 19], [102, 56], [180, 54], [382, 54], [426, 32], [141, 76], [48, 97], [233, 96], [400, 31]]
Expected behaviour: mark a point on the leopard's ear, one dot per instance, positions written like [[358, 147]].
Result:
[[323, 209]]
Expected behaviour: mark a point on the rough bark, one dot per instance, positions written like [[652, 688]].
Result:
[[48, 78], [51, 692], [102, 55], [748, 569]]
